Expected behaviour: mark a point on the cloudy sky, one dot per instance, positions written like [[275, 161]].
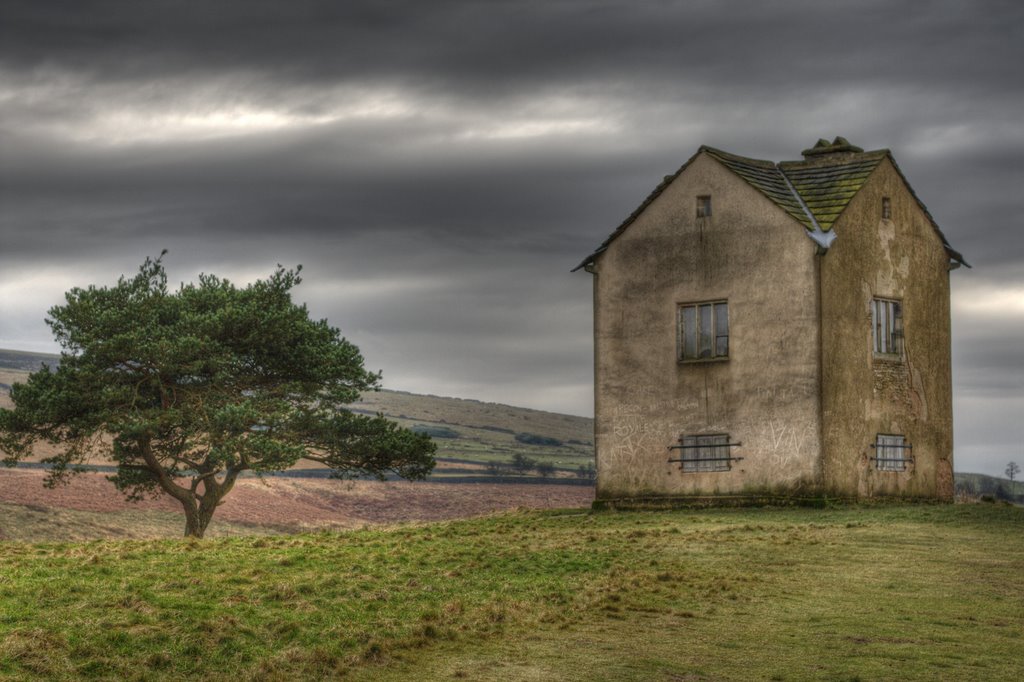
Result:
[[438, 167]]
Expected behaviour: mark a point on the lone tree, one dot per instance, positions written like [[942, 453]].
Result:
[[1012, 469], [522, 464], [186, 390]]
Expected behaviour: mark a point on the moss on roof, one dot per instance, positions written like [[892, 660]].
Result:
[[823, 184], [825, 187]]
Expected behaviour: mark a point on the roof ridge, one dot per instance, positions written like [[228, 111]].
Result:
[[719, 152], [850, 158], [822, 238], [815, 192]]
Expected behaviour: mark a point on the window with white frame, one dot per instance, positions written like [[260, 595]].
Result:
[[703, 331], [705, 453], [892, 452], [887, 327]]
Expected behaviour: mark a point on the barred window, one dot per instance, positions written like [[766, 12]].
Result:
[[704, 207], [887, 327], [703, 331], [891, 452], [886, 208], [705, 452]]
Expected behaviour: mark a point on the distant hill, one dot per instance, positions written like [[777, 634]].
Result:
[[978, 485], [23, 360], [488, 432], [467, 432]]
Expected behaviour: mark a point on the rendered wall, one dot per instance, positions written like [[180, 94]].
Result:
[[766, 395], [864, 395]]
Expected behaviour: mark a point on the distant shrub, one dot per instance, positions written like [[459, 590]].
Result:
[[435, 431], [522, 464], [498, 469], [587, 473], [545, 469], [534, 439]]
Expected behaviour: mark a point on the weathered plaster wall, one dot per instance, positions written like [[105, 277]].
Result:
[[903, 259], [766, 395]]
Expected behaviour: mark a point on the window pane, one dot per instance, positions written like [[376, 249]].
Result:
[[890, 456], [689, 453], [874, 325], [897, 327], [721, 329], [689, 332], [705, 331], [883, 328]]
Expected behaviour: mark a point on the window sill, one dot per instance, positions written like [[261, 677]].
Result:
[[702, 361], [887, 357]]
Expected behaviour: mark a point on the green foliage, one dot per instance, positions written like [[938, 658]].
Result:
[[534, 439], [198, 385], [587, 472], [522, 464], [435, 431], [545, 469]]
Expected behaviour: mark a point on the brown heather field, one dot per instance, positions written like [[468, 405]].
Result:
[[90, 507]]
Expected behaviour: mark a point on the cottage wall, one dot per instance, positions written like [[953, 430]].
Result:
[[864, 395], [765, 395]]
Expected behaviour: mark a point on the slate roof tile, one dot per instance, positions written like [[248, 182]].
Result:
[[825, 183]]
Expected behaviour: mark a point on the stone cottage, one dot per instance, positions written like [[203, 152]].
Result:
[[772, 329]]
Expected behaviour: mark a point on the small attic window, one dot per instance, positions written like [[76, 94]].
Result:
[[704, 206], [886, 208]]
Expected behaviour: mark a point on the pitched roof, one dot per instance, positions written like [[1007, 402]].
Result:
[[765, 177], [815, 191]]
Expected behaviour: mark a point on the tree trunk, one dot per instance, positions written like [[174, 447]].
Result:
[[199, 508], [196, 519]]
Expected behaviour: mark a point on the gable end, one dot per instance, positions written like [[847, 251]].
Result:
[[814, 192]]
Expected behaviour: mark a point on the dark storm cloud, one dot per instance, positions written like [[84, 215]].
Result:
[[438, 167], [493, 45]]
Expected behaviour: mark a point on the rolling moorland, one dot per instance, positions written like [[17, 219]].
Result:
[[466, 431], [472, 437], [308, 578]]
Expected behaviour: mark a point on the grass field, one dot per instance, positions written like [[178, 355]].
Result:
[[911, 592]]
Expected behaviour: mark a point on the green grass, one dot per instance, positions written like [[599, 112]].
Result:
[[915, 592]]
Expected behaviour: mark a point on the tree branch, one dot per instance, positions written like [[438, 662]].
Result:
[[170, 487]]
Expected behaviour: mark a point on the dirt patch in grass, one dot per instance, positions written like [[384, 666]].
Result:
[[306, 503]]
